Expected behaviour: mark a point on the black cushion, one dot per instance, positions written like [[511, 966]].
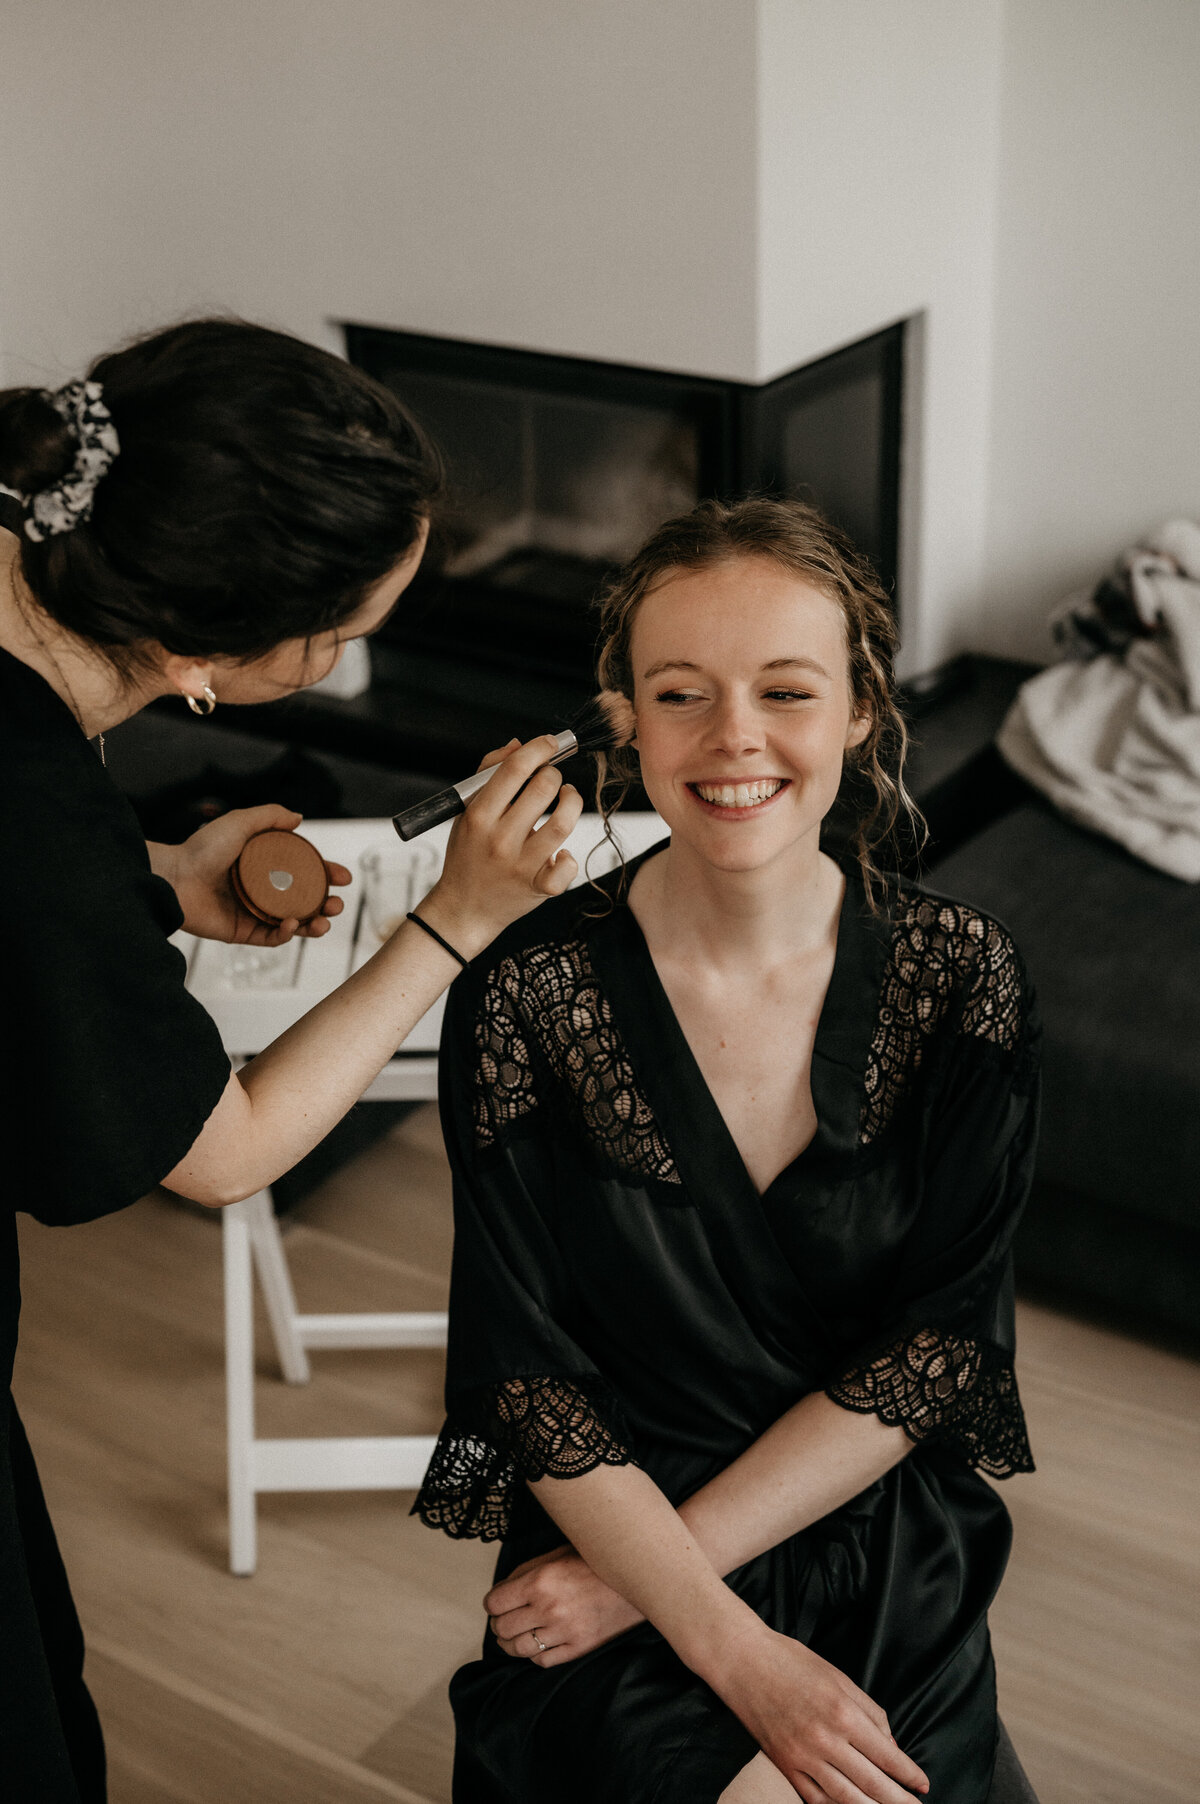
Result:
[[1113, 948]]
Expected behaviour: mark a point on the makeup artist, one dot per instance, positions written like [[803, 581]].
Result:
[[212, 514]]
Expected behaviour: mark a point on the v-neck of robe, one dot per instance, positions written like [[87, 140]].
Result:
[[738, 1216], [845, 1028]]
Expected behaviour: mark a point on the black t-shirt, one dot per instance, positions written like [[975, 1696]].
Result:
[[109, 1068]]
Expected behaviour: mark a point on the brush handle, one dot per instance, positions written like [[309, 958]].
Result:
[[410, 823]]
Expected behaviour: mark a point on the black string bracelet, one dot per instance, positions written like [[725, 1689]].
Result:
[[435, 935]]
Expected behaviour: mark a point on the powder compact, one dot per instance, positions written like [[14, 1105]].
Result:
[[279, 876]]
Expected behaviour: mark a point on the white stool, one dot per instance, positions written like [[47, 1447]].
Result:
[[342, 1463]]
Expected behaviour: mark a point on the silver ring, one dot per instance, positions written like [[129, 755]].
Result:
[[542, 1648]]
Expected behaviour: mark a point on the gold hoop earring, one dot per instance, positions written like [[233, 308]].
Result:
[[205, 707]]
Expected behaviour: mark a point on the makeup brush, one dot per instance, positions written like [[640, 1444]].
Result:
[[603, 726]]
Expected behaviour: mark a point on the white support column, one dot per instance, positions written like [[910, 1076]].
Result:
[[346, 1463], [427, 1329], [276, 1280], [239, 1387]]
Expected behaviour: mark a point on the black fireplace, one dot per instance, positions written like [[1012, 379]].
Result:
[[560, 466]]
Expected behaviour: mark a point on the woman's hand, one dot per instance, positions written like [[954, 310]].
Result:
[[198, 872], [828, 1738], [497, 866], [556, 1599]]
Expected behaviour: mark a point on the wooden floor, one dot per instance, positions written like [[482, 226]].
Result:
[[323, 1678]]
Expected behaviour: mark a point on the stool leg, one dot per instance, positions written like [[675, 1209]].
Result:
[[276, 1280], [239, 1388]]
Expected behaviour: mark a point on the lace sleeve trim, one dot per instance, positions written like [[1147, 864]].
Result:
[[945, 1388], [523, 1429]]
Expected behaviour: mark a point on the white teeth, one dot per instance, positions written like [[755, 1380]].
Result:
[[739, 795]]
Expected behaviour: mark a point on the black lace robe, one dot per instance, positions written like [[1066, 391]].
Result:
[[621, 1292]]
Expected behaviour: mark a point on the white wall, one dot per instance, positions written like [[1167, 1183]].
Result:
[[1096, 377], [726, 186], [550, 173], [1026, 175], [877, 146]]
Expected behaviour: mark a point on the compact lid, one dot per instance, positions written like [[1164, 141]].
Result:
[[280, 875]]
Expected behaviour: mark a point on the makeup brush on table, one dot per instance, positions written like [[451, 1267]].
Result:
[[604, 725]]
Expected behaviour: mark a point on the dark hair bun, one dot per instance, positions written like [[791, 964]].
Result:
[[262, 488], [36, 449]]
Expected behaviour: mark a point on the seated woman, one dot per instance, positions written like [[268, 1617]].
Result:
[[739, 1144]]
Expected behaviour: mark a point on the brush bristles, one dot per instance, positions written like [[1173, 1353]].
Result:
[[606, 723]]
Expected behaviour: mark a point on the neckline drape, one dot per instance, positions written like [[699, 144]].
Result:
[[738, 1216]]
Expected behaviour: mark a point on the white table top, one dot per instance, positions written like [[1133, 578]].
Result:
[[255, 993]]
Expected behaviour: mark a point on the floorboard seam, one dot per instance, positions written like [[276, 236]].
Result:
[[153, 1672]]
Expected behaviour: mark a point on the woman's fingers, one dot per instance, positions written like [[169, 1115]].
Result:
[[262, 818], [518, 820], [526, 1649], [809, 1790], [260, 935], [516, 771], [864, 1784], [523, 1645], [513, 803], [860, 1761], [555, 869], [870, 1709], [509, 1594], [872, 1748], [885, 1775], [338, 875], [497, 866], [556, 875], [512, 1623], [231, 832], [815, 1725], [498, 756], [839, 1790], [531, 1644]]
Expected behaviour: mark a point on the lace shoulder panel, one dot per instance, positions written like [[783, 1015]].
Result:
[[951, 1389], [546, 1037], [505, 1089], [948, 967], [506, 1434]]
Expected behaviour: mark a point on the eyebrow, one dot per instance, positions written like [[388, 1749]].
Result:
[[775, 664]]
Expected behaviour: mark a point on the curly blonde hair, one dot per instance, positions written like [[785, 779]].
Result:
[[798, 538]]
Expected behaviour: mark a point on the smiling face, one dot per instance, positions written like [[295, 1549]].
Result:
[[744, 709]]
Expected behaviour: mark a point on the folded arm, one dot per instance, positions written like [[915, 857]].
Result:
[[808, 1717], [813, 1459]]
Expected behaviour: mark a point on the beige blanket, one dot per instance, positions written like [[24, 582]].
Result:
[[1114, 740]]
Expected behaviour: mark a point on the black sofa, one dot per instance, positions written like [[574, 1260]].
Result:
[[1113, 948]]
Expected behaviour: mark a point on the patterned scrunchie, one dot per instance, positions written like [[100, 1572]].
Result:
[[61, 507]]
